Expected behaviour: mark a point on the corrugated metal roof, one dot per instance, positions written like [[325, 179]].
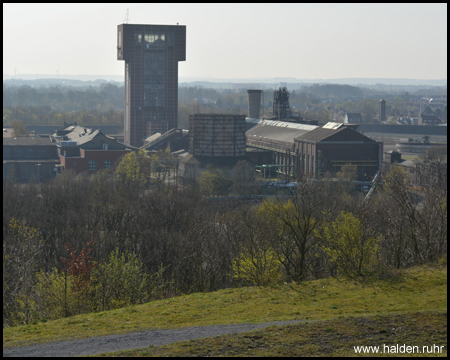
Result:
[[320, 134], [323, 133], [289, 125], [273, 130]]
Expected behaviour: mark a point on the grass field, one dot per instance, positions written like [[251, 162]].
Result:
[[417, 295], [338, 337]]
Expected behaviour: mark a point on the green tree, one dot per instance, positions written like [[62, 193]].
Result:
[[290, 226], [350, 246], [121, 281], [19, 128], [213, 182], [21, 248], [134, 169], [348, 172], [243, 174]]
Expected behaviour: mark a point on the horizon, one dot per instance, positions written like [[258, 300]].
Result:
[[183, 79]]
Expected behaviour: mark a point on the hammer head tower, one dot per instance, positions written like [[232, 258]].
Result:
[[151, 54]]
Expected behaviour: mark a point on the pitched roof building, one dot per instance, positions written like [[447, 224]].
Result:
[[353, 118], [429, 119], [81, 149], [327, 148]]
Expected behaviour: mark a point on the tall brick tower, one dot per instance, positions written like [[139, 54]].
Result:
[[151, 54]]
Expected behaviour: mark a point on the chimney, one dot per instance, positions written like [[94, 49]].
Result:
[[254, 103]]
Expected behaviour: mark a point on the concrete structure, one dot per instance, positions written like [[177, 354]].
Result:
[[217, 138], [151, 54], [254, 103], [382, 110], [29, 159]]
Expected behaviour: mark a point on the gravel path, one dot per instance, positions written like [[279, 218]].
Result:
[[135, 340]]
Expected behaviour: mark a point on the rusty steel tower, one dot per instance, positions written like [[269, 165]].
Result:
[[281, 107]]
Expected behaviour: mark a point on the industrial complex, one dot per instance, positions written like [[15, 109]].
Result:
[[280, 141]]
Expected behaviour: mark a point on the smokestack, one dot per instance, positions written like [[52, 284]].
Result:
[[382, 110], [254, 103]]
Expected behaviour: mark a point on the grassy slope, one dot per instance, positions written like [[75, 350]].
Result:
[[336, 337], [412, 290]]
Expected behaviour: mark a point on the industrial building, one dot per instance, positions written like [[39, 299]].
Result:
[[82, 149], [29, 159], [217, 138], [300, 148], [326, 149], [151, 54]]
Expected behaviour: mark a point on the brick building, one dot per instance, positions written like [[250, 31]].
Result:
[[29, 159], [151, 54], [86, 150]]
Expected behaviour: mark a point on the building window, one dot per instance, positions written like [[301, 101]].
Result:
[[6, 152], [92, 165], [17, 152], [107, 164], [29, 152]]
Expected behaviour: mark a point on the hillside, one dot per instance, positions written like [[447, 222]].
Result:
[[334, 299]]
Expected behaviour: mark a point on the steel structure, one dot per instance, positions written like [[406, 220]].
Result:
[[281, 107], [219, 138]]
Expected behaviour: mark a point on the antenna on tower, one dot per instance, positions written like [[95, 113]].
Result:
[[126, 19], [57, 73], [15, 72]]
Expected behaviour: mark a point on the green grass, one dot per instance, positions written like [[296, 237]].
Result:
[[411, 290], [410, 157], [336, 337]]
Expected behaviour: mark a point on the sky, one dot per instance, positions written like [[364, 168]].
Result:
[[236, 41]]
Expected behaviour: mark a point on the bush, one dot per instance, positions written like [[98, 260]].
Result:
[[258, 267]]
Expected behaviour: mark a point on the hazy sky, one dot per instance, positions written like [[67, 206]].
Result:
[[305, 41]]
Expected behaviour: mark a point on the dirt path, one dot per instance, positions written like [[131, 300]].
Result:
[[135, 340]]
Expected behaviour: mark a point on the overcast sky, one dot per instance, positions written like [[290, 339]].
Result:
[[228, 41]]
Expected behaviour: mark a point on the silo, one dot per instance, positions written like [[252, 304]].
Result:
[[217, 138], [254, 103]]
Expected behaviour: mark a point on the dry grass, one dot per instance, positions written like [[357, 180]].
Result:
[[411, 290]]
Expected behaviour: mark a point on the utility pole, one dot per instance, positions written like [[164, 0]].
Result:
[[38, 167]]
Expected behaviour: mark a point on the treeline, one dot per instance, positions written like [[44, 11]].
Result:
[[83, 244], [65, 98], [44, 115], [335, 91]]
